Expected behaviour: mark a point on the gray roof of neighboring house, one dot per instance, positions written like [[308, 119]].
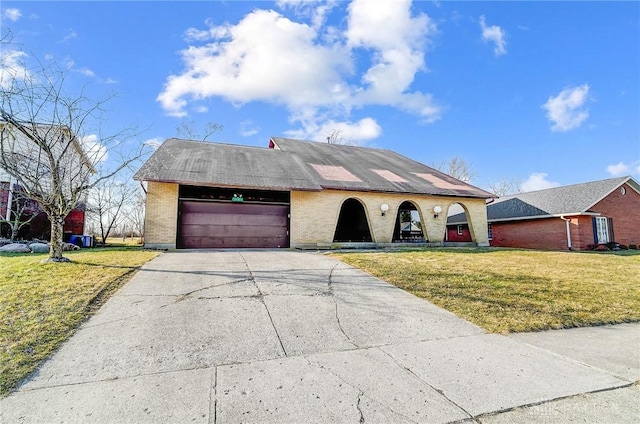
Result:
[[567, 200], [298, 165]]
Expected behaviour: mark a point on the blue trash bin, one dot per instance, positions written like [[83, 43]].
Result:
[[87, 241], [76, 239]]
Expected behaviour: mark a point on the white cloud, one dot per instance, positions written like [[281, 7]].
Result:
[[398, 42], [248, 128], [85, 71], [309, 68], [494, 34], [565, 110], [154, 142], [622, 168], [96, 152], [537, 181], [12, 14], [619, 168], [350, 132], [12, 67], [315, 10], [71, 35]]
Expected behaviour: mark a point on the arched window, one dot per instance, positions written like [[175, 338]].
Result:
[[408, 226], [353, 225]]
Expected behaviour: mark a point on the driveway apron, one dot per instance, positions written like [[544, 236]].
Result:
[[287, 337]]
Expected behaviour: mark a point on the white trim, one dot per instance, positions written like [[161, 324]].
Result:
[[629, 181], [528, 218]]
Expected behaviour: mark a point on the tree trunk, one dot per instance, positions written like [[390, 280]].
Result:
[[55, 249]]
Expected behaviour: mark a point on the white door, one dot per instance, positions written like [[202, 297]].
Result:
[[602, 229]]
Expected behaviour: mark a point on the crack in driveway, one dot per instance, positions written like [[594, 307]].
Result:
[[335, 302], [261, 297]]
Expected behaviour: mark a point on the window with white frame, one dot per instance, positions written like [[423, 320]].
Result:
[[602, 229], [460, 230], [490, 231]]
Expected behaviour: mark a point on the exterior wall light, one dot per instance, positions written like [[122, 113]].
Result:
[[384, 208], [436, 211]]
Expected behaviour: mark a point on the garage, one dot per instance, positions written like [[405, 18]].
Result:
[[224, 218]]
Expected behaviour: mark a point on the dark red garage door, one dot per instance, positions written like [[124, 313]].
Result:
[[218, 225]]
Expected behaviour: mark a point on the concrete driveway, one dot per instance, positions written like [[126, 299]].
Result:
[[292, 337]]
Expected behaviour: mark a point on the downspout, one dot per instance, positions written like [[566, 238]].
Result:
[[10, 199], [567, 221]]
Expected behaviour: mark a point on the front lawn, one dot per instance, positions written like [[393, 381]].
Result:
[[41, 305], [505, 290]]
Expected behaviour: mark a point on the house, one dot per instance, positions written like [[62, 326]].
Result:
[[297, 194], [15, 141], [577, 217]]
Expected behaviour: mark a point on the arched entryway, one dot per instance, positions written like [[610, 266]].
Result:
[[353, 225], [458, 224], [409, 225]]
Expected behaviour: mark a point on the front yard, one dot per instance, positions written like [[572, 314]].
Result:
[[508, 290], [41, 305], [500, 290]]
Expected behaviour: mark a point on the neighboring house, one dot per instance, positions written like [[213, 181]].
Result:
[[40, 227], [576, 217], [297, 194]]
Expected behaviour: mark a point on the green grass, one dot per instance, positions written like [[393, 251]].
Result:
[[41, 305], [504, 290]]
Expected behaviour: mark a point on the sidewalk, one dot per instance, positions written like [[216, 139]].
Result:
[[294, 337]]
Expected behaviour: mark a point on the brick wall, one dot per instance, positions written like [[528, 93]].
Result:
[[4, 198], [625, 211], [314, 215], [161, 217], [452, 233], [549, 233], [581, 232]]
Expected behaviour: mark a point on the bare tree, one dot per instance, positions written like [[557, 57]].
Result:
[[336, 137], [457, 168], [504, 187], [107, 202], [51, 141], [20, 211], [135, 216], [186, 130]]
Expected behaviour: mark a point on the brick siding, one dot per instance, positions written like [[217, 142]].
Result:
[[625, 211], [4, 198], [314, 215], [551, 233], [161, 217]]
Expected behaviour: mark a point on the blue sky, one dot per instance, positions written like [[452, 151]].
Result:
[[542, 93]]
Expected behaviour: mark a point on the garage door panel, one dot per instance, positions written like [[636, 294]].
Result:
[[233, 231], [237, 219], [234, 242], [231, 208], [233, 225]]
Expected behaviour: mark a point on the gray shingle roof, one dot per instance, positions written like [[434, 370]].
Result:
[[566, 200], [298, 165], [199, 163], [375, 170]]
